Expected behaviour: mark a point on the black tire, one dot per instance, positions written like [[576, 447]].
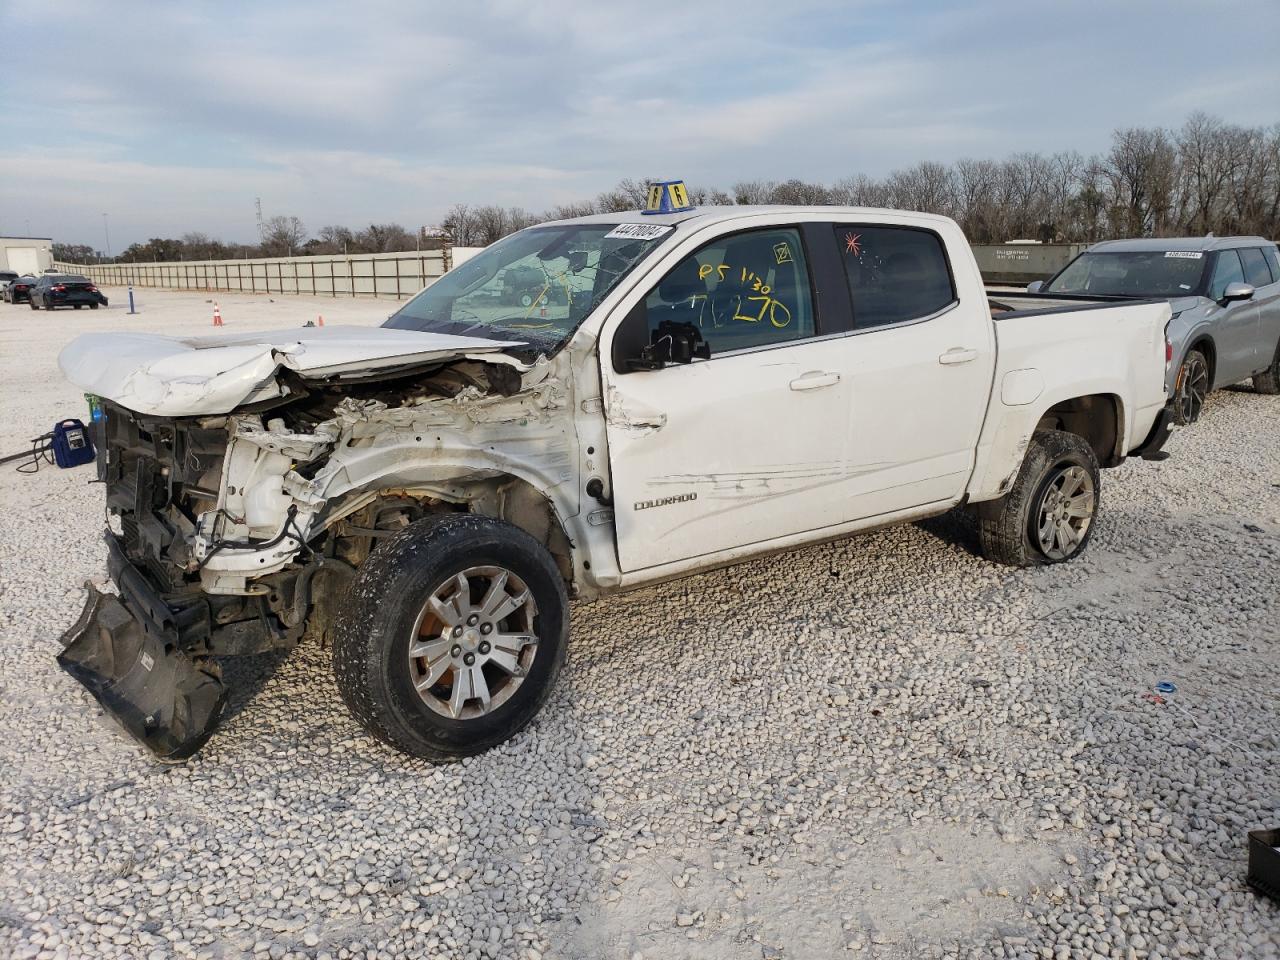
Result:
[[77, 305], [377, 622], [1191, 387], [1009, 534], [1268, 381], [93, 306]]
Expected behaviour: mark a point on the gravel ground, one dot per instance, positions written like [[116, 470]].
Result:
[[883, 747]]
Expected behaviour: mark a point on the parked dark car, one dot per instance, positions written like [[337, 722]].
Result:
[[18, 290], [66, 290]]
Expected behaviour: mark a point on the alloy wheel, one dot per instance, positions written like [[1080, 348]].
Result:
[[474, 642], [1066, 510], [1193, 387]]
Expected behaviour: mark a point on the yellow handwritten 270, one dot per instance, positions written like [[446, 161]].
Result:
[[777, 311]]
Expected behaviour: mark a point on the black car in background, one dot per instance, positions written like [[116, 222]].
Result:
[[18, 290], [65, 290]]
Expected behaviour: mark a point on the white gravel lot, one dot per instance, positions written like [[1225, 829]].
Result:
[[884, 747]]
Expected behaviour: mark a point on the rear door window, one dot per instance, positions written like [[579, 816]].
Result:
[[743, 291], [1256, 271], [1273, 260], [1225, 272], [895, 274]]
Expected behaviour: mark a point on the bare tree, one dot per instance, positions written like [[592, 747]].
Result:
[[385, 238], [1140, 167], [459, 226], [281, 235], [753, 191]]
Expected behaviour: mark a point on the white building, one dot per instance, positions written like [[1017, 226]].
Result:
[[25, 255]]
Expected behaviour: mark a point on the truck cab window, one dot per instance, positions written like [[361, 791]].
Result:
[[895, 274], [741, 291]]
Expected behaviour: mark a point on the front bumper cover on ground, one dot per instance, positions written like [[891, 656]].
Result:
[[166, 700]]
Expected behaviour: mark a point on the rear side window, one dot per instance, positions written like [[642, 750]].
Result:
[[1273, 260], [741, 291], [895, 274], [1255, 267], [1227, 271]]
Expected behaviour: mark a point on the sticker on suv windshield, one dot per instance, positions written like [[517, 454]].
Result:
[[637, 231], [1184, 254]]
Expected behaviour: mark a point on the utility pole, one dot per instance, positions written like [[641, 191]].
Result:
[[107, 234], [257, 202]]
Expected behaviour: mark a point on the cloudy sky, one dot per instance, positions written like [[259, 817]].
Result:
[[173, 117]]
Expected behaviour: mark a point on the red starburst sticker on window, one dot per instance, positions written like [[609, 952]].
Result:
[[852, 244]]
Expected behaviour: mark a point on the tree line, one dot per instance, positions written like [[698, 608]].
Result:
[[1206, 176]]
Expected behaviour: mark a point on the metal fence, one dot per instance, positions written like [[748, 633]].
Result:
[[398, 275]]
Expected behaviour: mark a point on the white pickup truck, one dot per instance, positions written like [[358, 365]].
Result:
[[682, 391]]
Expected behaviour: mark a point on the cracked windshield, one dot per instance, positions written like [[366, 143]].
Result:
[[535, 286]]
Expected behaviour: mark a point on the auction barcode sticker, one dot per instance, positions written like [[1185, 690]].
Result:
[[637, 231], [1185, 254]]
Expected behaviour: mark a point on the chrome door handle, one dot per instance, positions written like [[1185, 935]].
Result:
[[815, 379], [958, 355]]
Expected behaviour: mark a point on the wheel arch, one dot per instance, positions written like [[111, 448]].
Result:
[[503, 496], [521, 504], [1203, 341], [1098, 418]]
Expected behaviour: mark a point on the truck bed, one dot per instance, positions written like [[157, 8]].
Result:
[[1119, 346]]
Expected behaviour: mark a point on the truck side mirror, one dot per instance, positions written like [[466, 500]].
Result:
[[636, 348], [1035, 286], [678, 343], [1237, 291], [631, 338]]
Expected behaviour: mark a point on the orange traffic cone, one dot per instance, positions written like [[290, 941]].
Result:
[[217, 316], [320, 317]]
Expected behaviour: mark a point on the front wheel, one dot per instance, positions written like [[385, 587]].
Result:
[[1191, 388], [1048, 516], [1268, 381], [93, 306], [452, 637]]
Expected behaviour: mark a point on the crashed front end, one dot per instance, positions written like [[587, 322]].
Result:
[[148, 654], [237, 533]]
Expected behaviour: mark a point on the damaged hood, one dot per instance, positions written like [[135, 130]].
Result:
[[187, 376]]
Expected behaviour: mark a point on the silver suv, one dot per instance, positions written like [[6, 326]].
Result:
[[1225, 294]]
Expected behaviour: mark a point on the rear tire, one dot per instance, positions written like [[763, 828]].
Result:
[[406, 597], [1268, 381], [1191, 388], [77, 305], [1055, 494]]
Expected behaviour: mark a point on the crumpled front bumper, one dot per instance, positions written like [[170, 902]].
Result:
[[125, 651]]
